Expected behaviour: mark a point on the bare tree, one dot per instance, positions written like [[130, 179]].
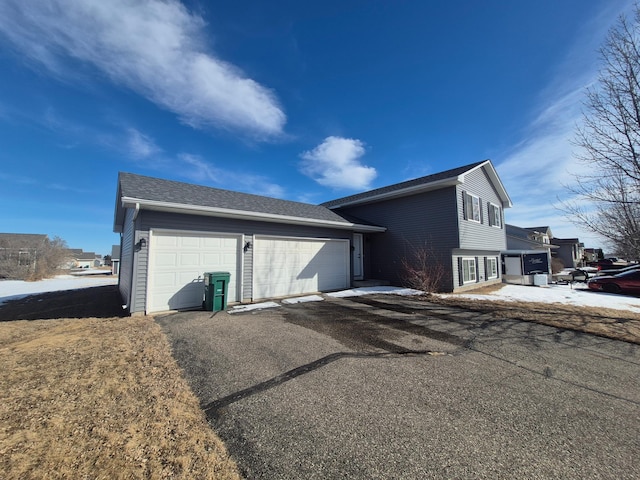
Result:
[[606, 193], [31, 257]]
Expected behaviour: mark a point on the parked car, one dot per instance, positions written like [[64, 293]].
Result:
[[615, 272], [608, 264], [622, 282]]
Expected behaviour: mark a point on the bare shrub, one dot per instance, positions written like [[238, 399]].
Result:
[[423, 269], [556, 265]]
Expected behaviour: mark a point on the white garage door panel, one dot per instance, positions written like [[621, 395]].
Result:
[[292, 266], [177, 262]]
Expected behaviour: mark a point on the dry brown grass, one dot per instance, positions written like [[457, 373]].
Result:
[[605, 322], [100, 399]]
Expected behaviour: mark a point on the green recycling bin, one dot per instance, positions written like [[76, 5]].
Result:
[[216, 287]]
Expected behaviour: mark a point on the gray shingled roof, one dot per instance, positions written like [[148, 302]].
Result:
[[24, 240], [454, 172], [169, 191]]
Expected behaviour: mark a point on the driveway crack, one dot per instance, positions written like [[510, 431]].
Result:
[[214, 409]]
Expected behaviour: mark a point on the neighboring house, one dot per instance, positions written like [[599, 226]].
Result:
[[528, 252], [570, 252], [519, 238], [115, 259], [540, 234], [86, 259], [172, 233], [21, 249]]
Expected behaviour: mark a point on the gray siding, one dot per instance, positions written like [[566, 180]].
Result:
[[434, 220], [140, 264], [480, 236], [481, 273], [426, 220], [171, 221], [126, 258]]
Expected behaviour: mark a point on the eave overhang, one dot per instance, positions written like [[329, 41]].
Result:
[[446, 182], [158, 206]]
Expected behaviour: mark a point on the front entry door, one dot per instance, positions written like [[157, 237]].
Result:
[[358, 273]]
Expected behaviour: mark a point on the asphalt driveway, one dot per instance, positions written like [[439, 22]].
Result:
[[391, 387]]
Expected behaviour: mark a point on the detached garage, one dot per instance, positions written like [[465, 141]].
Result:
[[173, 232]]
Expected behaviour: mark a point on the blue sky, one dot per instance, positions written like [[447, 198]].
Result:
[[305, 101]]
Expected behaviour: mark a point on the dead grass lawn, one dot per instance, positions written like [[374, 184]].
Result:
[[605, 322], [100, 399]]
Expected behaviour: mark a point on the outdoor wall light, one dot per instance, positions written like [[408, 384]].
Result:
[[246, 247], [141, 244]]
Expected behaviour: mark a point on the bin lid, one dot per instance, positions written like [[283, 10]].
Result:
[[217, 273]]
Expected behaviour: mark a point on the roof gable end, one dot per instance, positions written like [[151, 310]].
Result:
[[436, 181]]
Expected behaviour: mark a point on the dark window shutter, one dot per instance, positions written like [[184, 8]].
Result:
[[464, 205], [460, 277], [477, 267]]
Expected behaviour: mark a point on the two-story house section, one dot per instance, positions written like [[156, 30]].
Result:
[[456, 215]]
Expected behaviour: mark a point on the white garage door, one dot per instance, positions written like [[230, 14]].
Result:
[[177, 262], [291, 266]]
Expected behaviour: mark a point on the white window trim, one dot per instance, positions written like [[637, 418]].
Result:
[[470, 214], [474, 270], [494, 261], [497, 212]]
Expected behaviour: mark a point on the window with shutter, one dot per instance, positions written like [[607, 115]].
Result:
[[469, 270], [472, 207], [495, 215]]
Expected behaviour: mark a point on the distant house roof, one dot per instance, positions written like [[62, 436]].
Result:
[[451, 177], [567, 241], [524, 235], [22, 240], [546, 230], [137, 191], [85, 256]]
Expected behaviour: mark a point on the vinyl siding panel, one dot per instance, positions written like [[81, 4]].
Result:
[[425, 220], [126, 258], [481, 268], [480, 236], [140, 269], [171, 221]]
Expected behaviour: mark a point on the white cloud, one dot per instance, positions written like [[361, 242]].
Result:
[[155, 48], [141, 146], [199, 170], [336, 163]]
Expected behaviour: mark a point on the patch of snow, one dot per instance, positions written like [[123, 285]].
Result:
[[356, 292], [308, 298], [253, 306], [16, 289], [578, 295]]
